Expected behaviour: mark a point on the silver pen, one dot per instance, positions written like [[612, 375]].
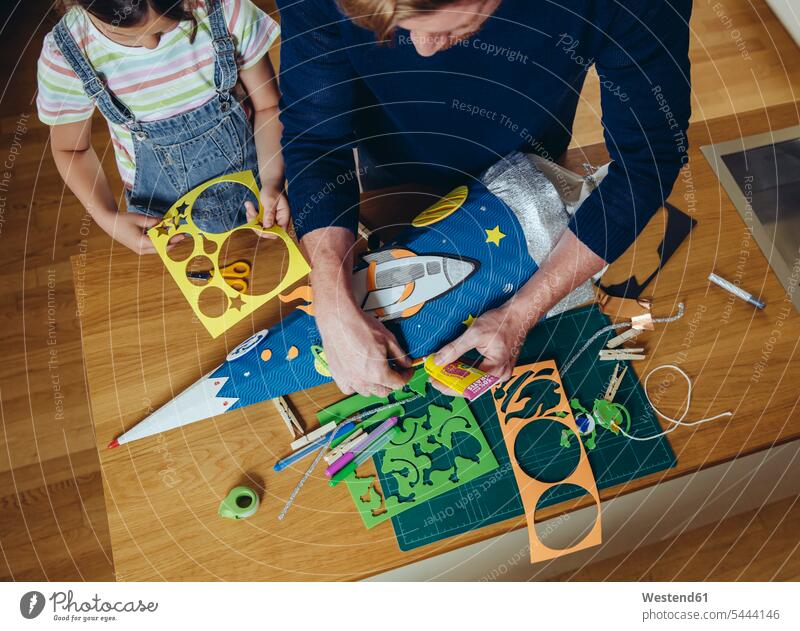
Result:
[[736, 290]]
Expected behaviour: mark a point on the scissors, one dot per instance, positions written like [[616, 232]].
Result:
[[235, 275]]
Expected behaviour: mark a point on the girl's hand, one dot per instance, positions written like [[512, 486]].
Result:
[[276, 210], [130, 230]]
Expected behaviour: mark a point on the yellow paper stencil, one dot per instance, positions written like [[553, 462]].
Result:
[[178, 220]]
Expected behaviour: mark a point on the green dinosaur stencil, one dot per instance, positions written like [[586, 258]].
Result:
[[439, 447]]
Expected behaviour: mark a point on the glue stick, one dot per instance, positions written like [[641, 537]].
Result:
[[468, 381]]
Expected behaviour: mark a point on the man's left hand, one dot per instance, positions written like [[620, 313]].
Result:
[[498, 335]]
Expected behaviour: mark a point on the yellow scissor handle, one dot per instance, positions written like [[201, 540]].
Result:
[[239, 284], [237, 269]]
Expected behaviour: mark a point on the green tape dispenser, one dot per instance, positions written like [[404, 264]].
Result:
[[241, 503]]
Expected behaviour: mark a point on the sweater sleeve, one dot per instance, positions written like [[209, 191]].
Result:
[[317, 84], [643, 67]]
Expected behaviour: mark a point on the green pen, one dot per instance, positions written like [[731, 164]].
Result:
[[340, 439], [378, 444]]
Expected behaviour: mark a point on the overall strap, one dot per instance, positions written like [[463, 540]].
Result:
[[114, 110], [225, 71]]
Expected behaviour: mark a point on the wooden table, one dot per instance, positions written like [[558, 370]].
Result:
[[142, 347]]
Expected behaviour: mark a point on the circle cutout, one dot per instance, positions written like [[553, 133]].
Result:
[[539, 452], [212, 302], [570, 528], [268, 259], [181, 250], [220, 207], [198, 265]]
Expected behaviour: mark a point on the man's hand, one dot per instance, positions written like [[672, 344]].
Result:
[[497, 335], [358, 349]]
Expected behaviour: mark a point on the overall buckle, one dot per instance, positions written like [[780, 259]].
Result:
[[222, 45], [93, 87], [224, 99]]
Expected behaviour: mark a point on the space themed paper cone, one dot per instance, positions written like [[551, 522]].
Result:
[[461, 257]]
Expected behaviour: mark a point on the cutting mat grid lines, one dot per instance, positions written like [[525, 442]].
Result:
[[494, 497]]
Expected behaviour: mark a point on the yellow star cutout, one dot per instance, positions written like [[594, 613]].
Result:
[[494, 235], [237, 303], [468, 322]]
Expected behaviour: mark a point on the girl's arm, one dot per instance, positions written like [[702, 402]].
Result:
[[262, 88], [82, 172]]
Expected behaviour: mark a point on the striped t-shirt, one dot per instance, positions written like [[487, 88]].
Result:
[[174, 77]]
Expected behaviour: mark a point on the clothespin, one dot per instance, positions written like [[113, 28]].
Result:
[[295, 429], [615, 382], [619, 354], [623, 337]]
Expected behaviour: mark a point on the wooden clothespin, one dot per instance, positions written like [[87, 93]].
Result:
[[295, 429], [623, 337], [619, 354], [615, 382]]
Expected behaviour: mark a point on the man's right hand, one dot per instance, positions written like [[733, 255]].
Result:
[[358, 349]]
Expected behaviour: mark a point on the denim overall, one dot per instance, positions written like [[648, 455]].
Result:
[[176, 154]]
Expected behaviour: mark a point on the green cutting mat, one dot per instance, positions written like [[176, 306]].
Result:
[[494, 497]]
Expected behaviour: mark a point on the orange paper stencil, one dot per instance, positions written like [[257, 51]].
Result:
[[535, 393]]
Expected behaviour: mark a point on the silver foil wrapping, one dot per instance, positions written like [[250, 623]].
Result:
[[538, 201]]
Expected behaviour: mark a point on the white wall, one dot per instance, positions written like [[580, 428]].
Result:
[[788, 12]]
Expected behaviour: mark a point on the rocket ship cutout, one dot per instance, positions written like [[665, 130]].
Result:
[[422, 285], [397, 283]]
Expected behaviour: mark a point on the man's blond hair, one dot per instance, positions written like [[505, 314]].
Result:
[[382, 16]]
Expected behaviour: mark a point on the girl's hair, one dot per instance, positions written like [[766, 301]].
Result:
[[382, 16], [125, 13]]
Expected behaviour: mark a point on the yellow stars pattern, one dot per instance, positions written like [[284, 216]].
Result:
[[468, 322], [494, 236]]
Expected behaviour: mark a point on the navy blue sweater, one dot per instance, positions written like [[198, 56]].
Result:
[[513, 85]]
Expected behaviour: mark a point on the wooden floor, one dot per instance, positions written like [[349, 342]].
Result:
[[761, 545], [52, 520]]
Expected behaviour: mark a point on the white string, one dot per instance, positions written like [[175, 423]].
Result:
[[676, 422]]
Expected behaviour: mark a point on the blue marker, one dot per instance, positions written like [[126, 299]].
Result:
[[310, 449]]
